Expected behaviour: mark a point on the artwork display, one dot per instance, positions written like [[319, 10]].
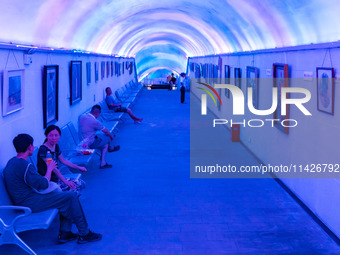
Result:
[[280, 75], [325, 89], [102, 69], [253, 82], [76, 82], [237, 75], [12, 91], [88, 73], [96, 71], [50, 94], [227, 79]]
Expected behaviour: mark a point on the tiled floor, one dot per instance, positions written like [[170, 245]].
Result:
[[147, 203]]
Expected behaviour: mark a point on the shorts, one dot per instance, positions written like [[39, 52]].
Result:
[[100, 141], [121, 109]]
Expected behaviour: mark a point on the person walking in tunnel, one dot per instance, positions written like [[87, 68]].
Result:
[[117, 107], [182, 80], [27, 187], [172, 81]]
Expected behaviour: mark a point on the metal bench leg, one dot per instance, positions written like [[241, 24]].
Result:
[[8, 236], [23, 245]]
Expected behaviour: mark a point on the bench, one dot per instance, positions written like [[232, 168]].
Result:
[[16, 219], [68, 147]]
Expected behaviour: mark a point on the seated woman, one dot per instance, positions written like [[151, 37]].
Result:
[[52, 149]]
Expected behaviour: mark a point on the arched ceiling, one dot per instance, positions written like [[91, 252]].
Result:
[[161, 34]]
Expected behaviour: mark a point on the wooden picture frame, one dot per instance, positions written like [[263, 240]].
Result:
[[280, 80], [238, 75], [88, 73], [76, 82], [50, 94], [253, 82], [325, 89], [102, 69], [96, 72], [13, 91], [227, 80]]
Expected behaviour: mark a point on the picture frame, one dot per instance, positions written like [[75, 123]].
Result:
[[280, 80], [123, 67], [88, 73], [325, 89], [238, 75], [227, 79], [96, 72], [253, 82], [102, 69], [112, 68], [50, 94], [13, 91], [76, 82], [107, 69]]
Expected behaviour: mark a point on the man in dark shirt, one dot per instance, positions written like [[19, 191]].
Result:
[[27, 187]]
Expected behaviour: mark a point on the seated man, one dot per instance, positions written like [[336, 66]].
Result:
[[27, 187], [88, 126], [113, 105]]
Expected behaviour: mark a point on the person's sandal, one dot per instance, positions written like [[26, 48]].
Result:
[[115, 148], [105, 166]]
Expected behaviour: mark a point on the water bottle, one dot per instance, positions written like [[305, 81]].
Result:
[[48, 157]]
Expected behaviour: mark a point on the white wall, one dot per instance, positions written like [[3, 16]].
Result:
[[316, 138], [30, 118]]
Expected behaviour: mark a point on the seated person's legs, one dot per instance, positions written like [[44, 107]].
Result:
[[70, 209], [128, 111], [103, 142]]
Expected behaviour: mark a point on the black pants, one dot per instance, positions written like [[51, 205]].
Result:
[[67, 202], [182, 94]]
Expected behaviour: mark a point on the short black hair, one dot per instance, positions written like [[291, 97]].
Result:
[[96, 108], [107, 89], [21, 142]]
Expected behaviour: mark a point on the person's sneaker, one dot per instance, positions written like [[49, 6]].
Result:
[[89, 237], [65, 237]]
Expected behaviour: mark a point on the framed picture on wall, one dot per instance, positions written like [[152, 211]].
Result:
[[280, 75], [237, 75], [112, 68], [13, 87], [88, 73], [76, 82], [50, 94], [123, 67], [107, 69], [102, 69], [96, 71], [325, 89], [253, 82], [227, 79]]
